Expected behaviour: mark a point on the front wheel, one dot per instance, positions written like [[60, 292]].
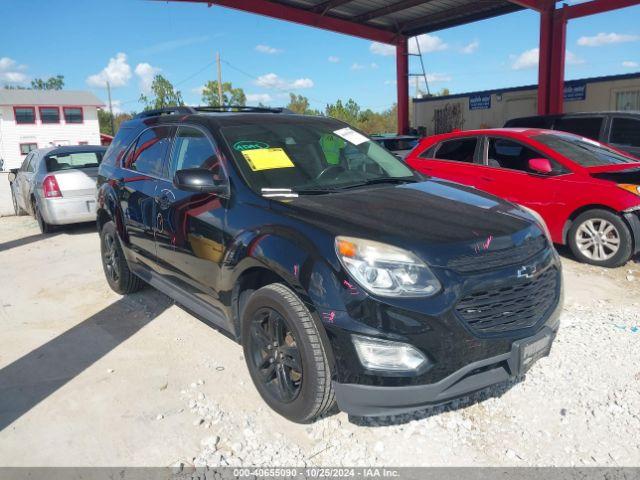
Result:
[[285, 354], [602, 238]]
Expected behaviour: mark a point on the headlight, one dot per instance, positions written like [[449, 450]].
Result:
[[386, 270], [635, 189], [539, 220], [377, 354]]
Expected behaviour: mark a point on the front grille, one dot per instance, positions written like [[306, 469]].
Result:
[[512, 307], [498, 258]]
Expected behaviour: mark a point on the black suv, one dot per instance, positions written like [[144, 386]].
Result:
[[618, 129], [344, 274]]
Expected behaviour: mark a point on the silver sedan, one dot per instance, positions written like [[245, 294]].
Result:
[[57, 185]]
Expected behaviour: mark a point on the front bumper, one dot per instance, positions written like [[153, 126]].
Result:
[[370, 400], [63, 211]]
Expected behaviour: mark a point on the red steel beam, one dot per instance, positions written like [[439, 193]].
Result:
[[402, 77], [544, 64], [305, 17], [597, 6], [557, 64]]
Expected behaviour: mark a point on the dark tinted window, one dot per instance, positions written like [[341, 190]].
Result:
[[625, 131], [529, 122], [73, 115], [461, 150], [192, 149], [49, 114], [67, 161], [429, 152], [587, 153], [148, 154], [587, 127], [25, 115], [505, 153]]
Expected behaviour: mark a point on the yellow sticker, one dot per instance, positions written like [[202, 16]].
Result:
[[267, 159]]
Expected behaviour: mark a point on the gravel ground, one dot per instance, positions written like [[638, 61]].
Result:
[[88, 378]]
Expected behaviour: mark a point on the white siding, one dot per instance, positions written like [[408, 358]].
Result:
[[44, 135]]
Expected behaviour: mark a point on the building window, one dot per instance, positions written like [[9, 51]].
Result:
[[629, 100], [73, 115], [25, 148], [25, 115], [49, 114]]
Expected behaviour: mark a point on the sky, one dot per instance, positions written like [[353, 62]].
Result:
[[129, 41]]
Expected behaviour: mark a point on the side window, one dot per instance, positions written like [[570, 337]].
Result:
[[193, 149], [625, 131], [586, 127], [505, 153], [147, 156], [429, 152], [31, 166], [460, 150]]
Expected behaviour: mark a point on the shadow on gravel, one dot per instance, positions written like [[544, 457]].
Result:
[[76, 229], [33, 377], [458, 404]]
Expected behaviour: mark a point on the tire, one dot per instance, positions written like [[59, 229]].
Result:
[[42, 224], [114, 263], [299, 361], [16, 208], [602, 238]]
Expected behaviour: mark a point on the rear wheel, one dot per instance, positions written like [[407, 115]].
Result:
[[602, 238], [114, 263], [42, 224], [285, 354]]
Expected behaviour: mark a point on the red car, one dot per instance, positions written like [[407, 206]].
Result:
[[588, 193]]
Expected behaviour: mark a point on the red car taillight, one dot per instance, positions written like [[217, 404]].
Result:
[[50, 187]]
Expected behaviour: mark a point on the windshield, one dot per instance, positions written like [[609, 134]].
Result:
[[309, 155], [68, 161], [584, 152]]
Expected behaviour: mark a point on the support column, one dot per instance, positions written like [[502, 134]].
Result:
[[544, 65], [558, 54], [402, 77]]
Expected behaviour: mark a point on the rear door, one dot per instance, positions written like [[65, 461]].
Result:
[[456, 159], [143, 168], [190, 226], [507, 175], [625, 134], [592, 127]]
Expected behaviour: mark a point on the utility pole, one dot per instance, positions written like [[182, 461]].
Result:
[[110, 108], [220, 97]]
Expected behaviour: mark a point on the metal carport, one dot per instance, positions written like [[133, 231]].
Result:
[[394, 22]]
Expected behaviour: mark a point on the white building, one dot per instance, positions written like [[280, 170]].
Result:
[[31, 119]]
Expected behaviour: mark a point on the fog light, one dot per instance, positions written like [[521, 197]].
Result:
[[376, 354]]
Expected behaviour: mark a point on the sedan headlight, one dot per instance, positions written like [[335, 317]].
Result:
[[386, 270]]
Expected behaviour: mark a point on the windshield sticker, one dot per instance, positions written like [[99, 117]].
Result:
[[351, 136], [243, 145], [267, 159]]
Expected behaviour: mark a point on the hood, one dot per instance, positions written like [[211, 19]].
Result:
[[626, 173], [436, 218]]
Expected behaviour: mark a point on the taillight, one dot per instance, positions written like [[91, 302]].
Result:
[[50, 187]]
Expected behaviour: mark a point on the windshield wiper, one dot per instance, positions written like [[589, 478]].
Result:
[[314, 191], [375, 181]]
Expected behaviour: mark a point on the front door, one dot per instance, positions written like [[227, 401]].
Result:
[[190, 226], [142, 168]]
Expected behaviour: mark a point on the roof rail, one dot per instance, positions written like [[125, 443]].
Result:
[[242, 109], [165, 111]]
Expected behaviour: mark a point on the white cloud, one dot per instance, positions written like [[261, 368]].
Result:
[[117, 73], [428, 43], [438, 77], [117, 106], [271, 80], [374, 65], [267, 49], [333, 59], [606, 39], [259, 98], [530, 59], [146, 73], [357, 66], [383, 49], [470, 48], [198, 90], [11, 73], [629, 64]]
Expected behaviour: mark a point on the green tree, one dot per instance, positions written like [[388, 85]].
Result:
[[365, 120], [104, 119], [52, 83], [348, 112], [230, 95], [163, 95], [300, 104], [443, 92]]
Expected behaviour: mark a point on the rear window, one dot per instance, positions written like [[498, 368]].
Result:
[[583, 151], [68, 161], [626, 131], [586, 127]]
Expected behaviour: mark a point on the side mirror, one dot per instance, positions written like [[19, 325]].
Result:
[[11, 176], [198, 180], [540, 165]]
